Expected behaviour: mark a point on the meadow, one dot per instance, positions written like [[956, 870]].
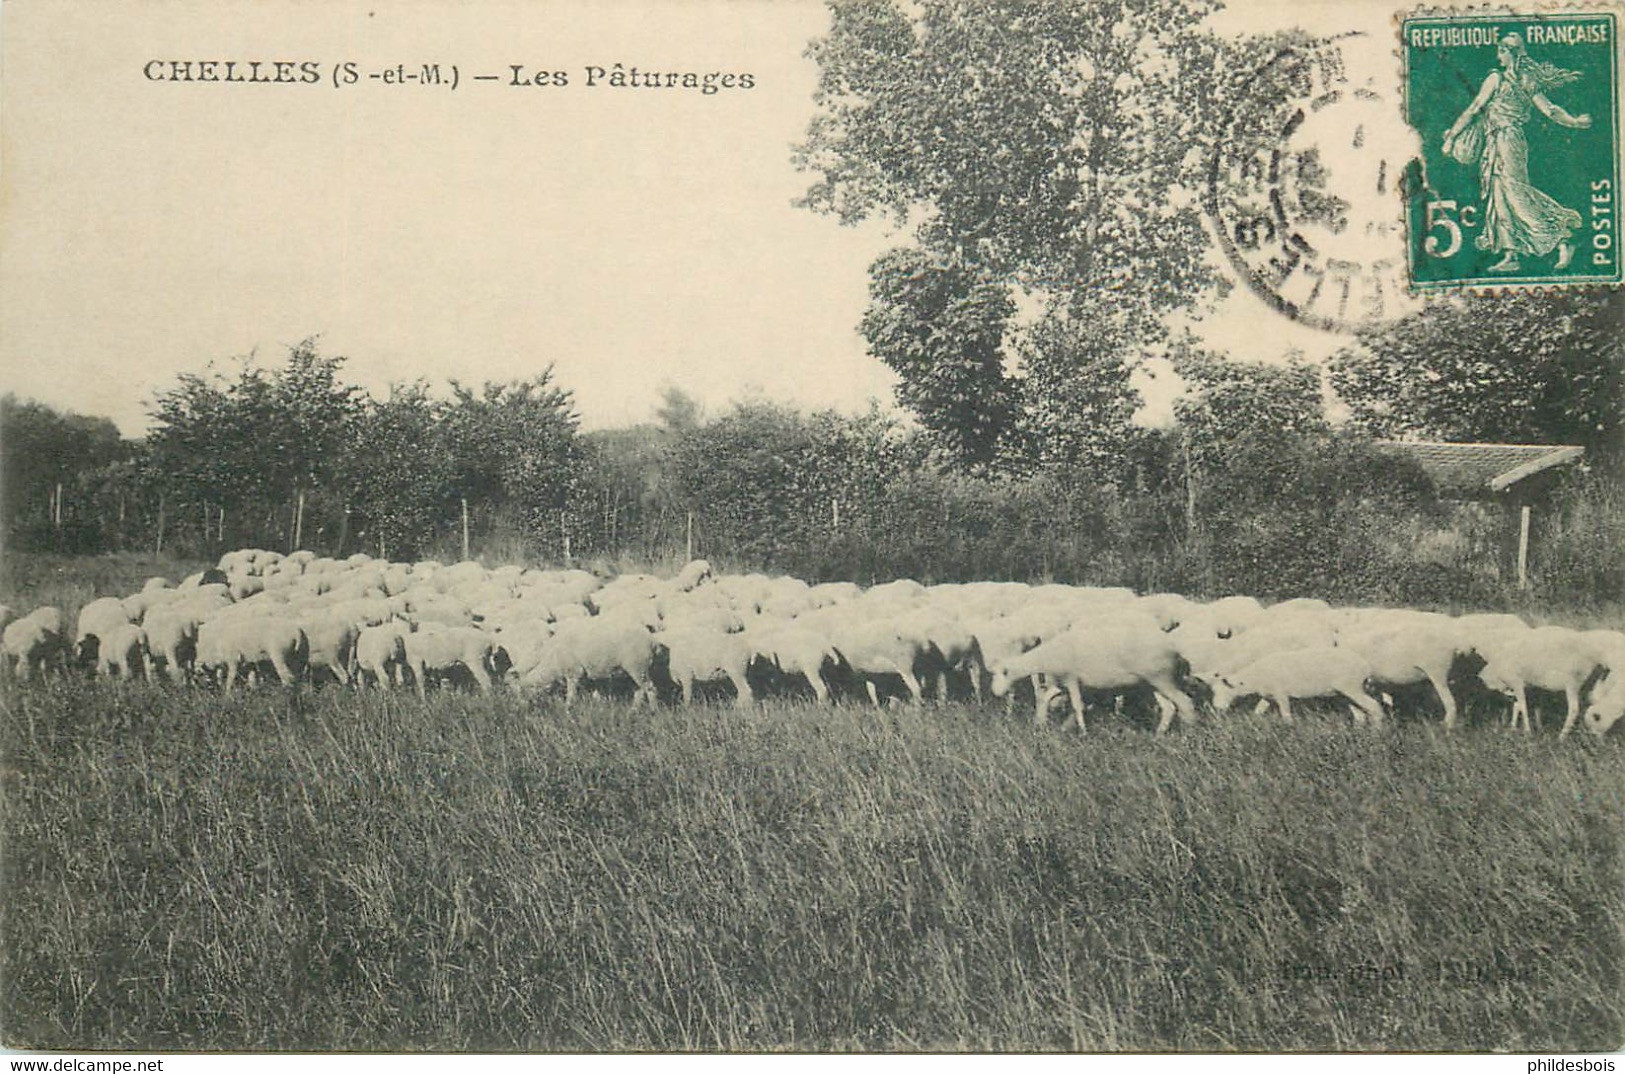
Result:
[[319, 869]]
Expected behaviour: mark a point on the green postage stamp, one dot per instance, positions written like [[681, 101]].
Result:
[[1518, 118]]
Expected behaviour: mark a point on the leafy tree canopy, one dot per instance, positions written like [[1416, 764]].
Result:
[[1041, 148], [1524, 367]]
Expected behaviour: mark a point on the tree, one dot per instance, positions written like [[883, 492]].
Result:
[[48, 454], [1523, 366], [258, 439], [1034, 147], [940, 327], [512, 447], [1228, 403], [397, 471]]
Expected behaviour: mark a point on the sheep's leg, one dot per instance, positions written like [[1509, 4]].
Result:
[[1075, 692], [1261, 707], [815, 679], [482, 678], [420, 672], [688, 689], [1520, 710], [1367, 704], [231, 675], [1441, 685], [874, 695], [1572, 693], [942, 686], [974, 666], [569, 691], [341, 673], [746, 696], [915, 693], [1284, 703], [284, 673]]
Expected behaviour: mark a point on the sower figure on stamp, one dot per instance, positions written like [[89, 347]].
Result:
[[1518, 219]]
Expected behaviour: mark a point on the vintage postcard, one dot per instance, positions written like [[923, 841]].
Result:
[[785, 526]]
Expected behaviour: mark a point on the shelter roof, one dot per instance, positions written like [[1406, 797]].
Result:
[[1476, 469]]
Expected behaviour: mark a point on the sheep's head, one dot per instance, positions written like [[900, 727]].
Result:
[[1607, 705], [498, 661], [1227, 690], [1001, 681]]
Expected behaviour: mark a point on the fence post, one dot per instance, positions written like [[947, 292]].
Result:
[[299, 522], [465, 527], [1523, 547], [690, 558], [158, 546]]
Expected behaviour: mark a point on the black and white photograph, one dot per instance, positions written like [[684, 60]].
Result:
[[958, 528]]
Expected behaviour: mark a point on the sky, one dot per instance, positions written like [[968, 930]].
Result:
[[633, 238]]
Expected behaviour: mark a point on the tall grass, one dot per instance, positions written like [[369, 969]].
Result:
[[325, 870]]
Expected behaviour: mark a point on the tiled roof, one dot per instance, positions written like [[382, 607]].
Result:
[[1480, 468]]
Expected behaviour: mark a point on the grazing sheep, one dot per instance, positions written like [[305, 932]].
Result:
[[380, 651], [332, 643], [598, 648], [1296, 631], [1406, 653], [692, 575], [797, 649], [123, 650], [171, 633], [706, 655], [96, 620], [34, 641], [1301, 673], [1106, 659], [245, 642], [885, 647], [1607, 706], [442, 651], [1548, 657]]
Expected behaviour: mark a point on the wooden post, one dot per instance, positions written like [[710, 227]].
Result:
[[158, 546], [690, 537], [220, 530], [1523, 547], [564, 531], [465, 528], [299, 521], [834, 513]]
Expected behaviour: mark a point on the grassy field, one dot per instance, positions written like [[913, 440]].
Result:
[[316, 869]]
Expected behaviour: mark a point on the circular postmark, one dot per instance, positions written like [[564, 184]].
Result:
[[1304, 190]]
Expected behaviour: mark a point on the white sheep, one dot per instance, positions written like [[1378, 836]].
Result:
[[1103, 659], [598, 649], [872, 648], [444, 650], [1300, 673], [96, 620], [123, 650], [700, 654], [1548, 657], [693, 574], [243, 643], [1406, 652], [380, 651], [34, 641], [332, 637], [1607, 704]]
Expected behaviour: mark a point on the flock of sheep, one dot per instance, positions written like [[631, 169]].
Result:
[[363, 621]]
